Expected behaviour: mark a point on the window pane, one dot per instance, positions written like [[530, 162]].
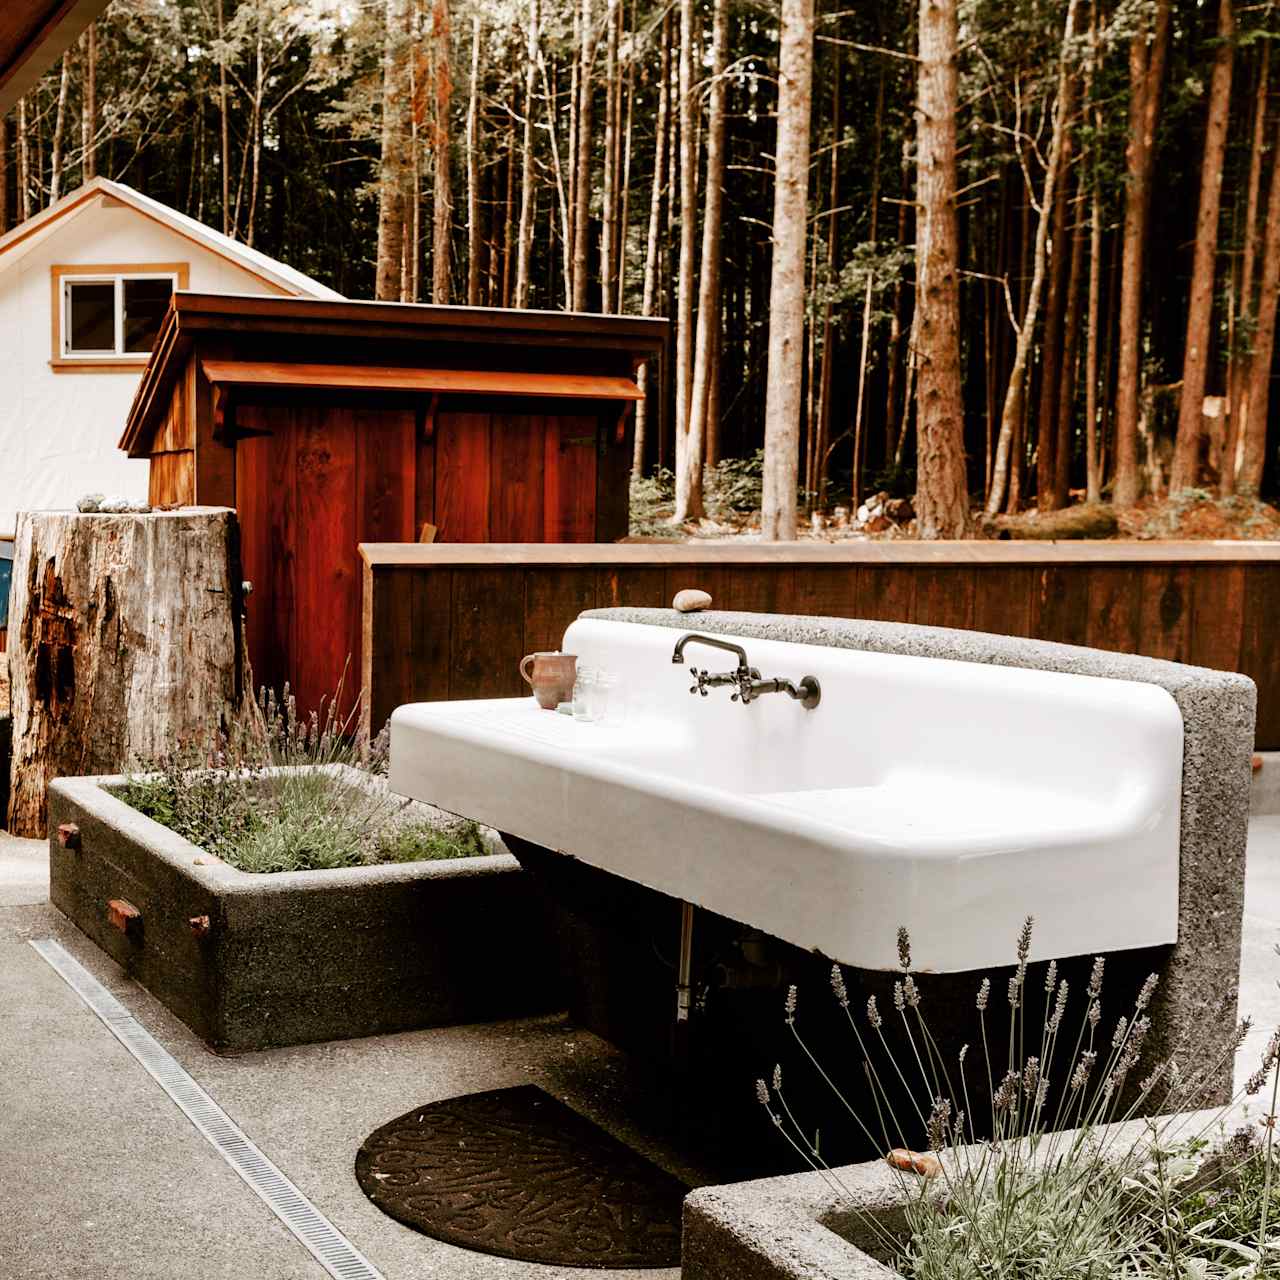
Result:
[[91, 317], [145, 302]]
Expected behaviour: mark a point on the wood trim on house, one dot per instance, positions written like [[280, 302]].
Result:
[[333, 377], [58, 272]]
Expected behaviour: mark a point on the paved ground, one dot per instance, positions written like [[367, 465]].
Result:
[[101, 1177]]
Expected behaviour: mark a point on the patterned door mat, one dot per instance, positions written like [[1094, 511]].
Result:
[[517, 1173]]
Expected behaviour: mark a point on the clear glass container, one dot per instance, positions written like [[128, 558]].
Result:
[[606, 699], [584, 693]]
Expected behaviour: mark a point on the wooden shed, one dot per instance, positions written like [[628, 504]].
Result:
[[327, 424]]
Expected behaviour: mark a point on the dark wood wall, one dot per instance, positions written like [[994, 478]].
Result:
[[453, 622]]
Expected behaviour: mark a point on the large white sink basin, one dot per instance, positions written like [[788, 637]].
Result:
[[950, 797]]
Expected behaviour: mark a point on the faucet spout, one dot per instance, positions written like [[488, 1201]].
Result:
[[694, 637]]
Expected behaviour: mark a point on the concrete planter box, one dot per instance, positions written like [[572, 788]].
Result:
[[797, 1227], [258, 961]]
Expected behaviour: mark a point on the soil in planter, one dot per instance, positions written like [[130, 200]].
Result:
[[297, 820]]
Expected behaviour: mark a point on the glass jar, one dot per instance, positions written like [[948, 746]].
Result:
[[584, 693]]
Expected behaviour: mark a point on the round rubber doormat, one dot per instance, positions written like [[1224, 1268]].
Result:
[[515, 1172]]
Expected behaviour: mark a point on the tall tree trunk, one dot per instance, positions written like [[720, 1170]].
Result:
[[24, 163], [608, 228], [1065, 417], [508, 214], [1264, 335], [582, 180], [624, 222], [1238, 374], [942, 499], [1148, 51], [1054, 319], [391, 168], [89, 104], [4, 175], [1014, 410], [688, 470], [524, 238], [224, 156], [1093, 480], [786, 284], [1195, 362], [442, 194], [653, 238], [473, 170], [59, 130], [712, 232]]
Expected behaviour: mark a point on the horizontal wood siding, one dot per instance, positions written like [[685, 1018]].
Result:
[[453, 622]]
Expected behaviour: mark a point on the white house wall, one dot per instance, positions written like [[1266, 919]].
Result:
[[58, 431]]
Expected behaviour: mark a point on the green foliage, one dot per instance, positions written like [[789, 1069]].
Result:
[[1044, 1186], [282, 800]]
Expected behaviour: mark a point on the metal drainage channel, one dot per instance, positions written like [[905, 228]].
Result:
[[330, 1248]]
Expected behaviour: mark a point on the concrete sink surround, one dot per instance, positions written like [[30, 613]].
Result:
[[259, 961], [800, 1227], [985, 793]]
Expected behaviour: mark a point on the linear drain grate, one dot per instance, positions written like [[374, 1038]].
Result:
[[334, 1252]]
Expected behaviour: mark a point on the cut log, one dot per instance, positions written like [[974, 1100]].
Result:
[[125, 638], [1088, 520]]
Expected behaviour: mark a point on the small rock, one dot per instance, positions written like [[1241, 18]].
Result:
[[900, 510], [878, 524], [864, 514], [691, 601], [817, 522], [90, 502], [923, 1163], [841, 517]]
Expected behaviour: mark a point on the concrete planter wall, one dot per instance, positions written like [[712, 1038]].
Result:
[[259, 961], [797, 1227]]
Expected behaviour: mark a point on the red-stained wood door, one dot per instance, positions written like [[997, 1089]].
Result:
[[508, 476], [320, 481]]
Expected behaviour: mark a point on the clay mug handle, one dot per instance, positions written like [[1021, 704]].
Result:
[[524, 663]]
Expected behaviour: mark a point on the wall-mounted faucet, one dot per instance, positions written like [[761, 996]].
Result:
[[746, 678]]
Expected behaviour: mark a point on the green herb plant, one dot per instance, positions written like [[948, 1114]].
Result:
[[1047, 1184]]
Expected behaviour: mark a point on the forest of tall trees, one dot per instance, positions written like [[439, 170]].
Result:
[[999, 253]]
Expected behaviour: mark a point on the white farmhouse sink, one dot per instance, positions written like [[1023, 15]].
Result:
[[950, 797]]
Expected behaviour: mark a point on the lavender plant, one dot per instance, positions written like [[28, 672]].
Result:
[[1046, 1185], [259, 802]]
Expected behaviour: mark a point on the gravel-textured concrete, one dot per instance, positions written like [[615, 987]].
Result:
[[1218, 711], [1264, 796], [803, 1227], [24, 871], [302, 955], [121, 1188]]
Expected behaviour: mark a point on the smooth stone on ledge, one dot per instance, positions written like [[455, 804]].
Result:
[[1199, 982], [691, 600]]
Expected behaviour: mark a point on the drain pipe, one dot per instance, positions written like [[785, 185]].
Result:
[[684, 967]]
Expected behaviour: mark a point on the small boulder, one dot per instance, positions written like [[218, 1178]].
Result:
[[878, 524], [691, 600], [900, 510]]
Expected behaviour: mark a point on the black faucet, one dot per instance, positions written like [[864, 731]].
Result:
[[746, 678]]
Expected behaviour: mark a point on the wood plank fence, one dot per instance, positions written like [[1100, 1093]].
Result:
[[453, 620]]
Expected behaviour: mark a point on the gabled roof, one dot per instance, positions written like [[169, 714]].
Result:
[[14, 244]]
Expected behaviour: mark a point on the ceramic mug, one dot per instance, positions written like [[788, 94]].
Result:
[[552, 678]]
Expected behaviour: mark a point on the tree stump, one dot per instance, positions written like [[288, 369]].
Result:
[[125, 638]]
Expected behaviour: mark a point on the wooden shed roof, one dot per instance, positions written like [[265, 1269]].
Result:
[[250, 326]]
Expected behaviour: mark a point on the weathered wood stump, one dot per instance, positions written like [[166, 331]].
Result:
[[125, 638]]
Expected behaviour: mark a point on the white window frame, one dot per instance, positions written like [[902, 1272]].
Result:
[[117, 279]]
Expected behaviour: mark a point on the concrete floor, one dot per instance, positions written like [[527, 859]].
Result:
[[102, 1177]]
